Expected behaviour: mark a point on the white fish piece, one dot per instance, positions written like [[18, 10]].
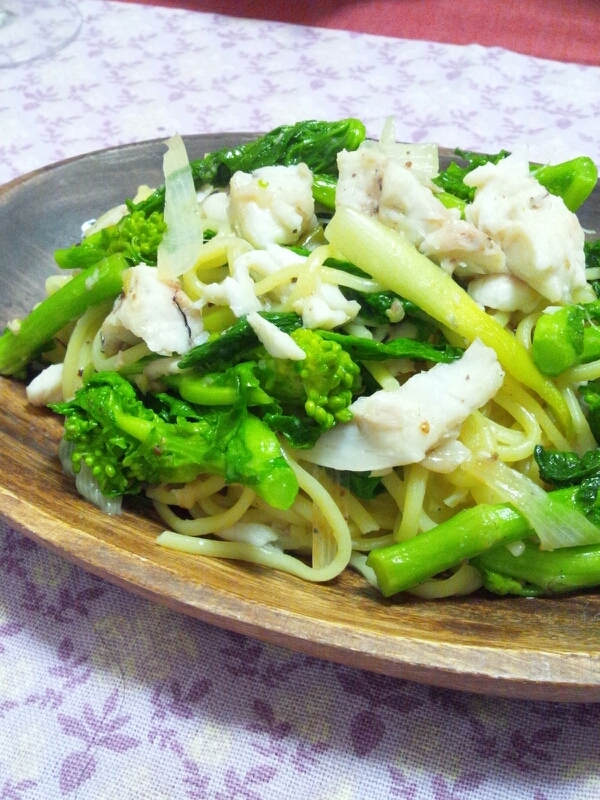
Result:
[[447, 456], [376, 184], [503, 293], [154, 310], [238, 295], [541, 239], [409, 207], [215, 206], [272, 204], [360, 179], [277, 343], [46, 387], [461, 249], [403, 426], [326, 308]]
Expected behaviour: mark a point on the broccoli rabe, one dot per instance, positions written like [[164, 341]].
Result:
[[127, 444], [323, 383], [564, 338], [572, 180], [535, 573], [561, 468], [135, 236], [298, 398], [313, 142]]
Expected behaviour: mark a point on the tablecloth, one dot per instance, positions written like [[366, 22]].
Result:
[[106, 695]]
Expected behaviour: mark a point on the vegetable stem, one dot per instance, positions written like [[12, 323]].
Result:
[[93, 285], [534, 571], [572, 180], [469, 533]]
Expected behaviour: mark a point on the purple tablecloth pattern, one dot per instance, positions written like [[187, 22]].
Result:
[[104, 695]]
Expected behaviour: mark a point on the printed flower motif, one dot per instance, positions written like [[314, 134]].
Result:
[[174, 698], [16, 791], [97, 733], [367, 727], [7, 628]]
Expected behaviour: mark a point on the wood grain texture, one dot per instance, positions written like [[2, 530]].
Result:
[[540, 649]]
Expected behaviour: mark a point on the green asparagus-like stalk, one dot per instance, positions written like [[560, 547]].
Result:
[[564, 338], [474, 532], [471, 532], [99, 282], [323, 190], [535, 572]]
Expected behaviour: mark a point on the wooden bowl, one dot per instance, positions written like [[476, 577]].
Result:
[[547, 649]]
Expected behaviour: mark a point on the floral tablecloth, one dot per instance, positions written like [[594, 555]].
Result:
[[106, 695]]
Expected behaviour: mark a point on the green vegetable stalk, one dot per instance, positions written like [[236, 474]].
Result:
[[536, 572], [469, 533], [572, 180], [93, 285], [323, 190], [480, 535], [564, 338]]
